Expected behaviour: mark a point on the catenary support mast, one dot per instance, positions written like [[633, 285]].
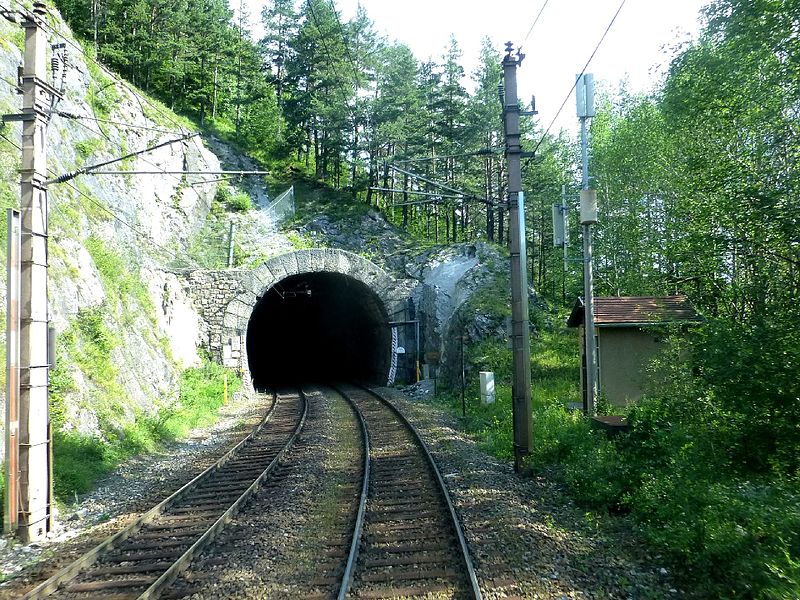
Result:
[[34, 440], [520, 333]]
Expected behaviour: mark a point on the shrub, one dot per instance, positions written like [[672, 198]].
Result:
[[240, 202], [80, 460], [708, 469]]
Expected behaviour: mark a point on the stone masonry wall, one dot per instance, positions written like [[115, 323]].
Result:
[[211, 292], [225, 299]]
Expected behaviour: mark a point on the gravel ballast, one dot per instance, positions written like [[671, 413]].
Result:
[[527, 539], [134, 487]]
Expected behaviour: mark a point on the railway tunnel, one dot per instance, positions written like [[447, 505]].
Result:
[[320, 316]]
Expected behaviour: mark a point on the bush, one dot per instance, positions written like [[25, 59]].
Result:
[[78, 461], [708, 470], [240, 202], [202, 391], [235, 201]]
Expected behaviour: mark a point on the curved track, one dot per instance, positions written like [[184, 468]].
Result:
[[144, 558], [407, 540]]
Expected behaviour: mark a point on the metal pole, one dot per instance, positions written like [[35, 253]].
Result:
[[11, 506], [231, 232], [588, 284], [35, 485], [416, 335], [463, 396], [564, 246], [520, 333]]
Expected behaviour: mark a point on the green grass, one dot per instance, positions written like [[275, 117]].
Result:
[[87, 148], [555, 383], [202, 392], [81, 460], [313, 198]]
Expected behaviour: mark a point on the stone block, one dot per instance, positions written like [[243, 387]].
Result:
[[290, 259], [264, 278], [344, 264], [318, 259], [248, 297], [278, 268], [239, 308], [231, 321], [303, 261], [330, 260]]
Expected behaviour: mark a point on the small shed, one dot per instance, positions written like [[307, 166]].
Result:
[[629, 331]]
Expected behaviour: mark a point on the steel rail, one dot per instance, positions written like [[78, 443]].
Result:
[[68, 573], [465, 555], [347, 576], [169, 576], [473, 578]]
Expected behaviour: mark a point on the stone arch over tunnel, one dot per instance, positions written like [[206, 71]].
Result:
[[312, 315]]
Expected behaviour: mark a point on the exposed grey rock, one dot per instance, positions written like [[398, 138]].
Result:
[[115, 240], [447, 278]]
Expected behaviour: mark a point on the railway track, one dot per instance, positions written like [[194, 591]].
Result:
[[407, 539], [143, 559]]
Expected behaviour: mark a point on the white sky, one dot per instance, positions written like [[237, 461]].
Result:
[[636, 47]]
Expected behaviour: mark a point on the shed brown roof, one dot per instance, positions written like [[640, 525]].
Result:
[[635, 310]]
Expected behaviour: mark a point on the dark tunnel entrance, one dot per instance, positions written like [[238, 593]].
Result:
[[318, 326]]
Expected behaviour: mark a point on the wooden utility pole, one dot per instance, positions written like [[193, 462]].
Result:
[[520, 333], [35, 486]]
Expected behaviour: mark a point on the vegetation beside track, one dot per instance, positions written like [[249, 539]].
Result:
[[80, 459], [693, 475]]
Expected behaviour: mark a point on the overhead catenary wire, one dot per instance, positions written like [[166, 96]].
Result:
[[161, 170], [180, 259], [72, 116], [142, 235], [574, 83], [356, 78], [464, 196], [327, 52], [18, 147], [13, 84], [10, 141], [482, 152], [120, 82], [86, 170], [102, 133], [535, 21], [140, 98]]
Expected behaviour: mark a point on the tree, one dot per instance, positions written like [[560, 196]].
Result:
[[280, 24]]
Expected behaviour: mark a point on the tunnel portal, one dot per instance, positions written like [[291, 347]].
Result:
[[318, 326]]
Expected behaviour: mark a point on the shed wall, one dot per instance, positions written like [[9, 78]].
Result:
[[624, 353]]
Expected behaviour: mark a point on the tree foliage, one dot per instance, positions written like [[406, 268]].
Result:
[[697, 186]]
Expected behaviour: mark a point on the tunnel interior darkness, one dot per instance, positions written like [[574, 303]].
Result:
[[318, 327]]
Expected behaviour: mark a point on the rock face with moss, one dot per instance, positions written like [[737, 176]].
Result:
[[125, 324], [462, 290]]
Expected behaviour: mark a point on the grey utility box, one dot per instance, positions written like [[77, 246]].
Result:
[[487, 387]]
